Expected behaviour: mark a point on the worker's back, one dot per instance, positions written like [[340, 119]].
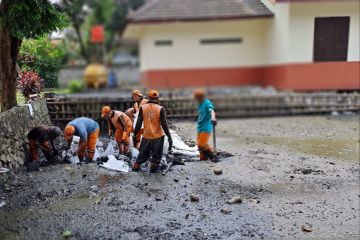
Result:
[[152, 121]]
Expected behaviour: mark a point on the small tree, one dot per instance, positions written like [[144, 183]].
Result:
[[21, 19], [30, 83]]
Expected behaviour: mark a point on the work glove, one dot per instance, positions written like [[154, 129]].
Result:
[[170, 144], [134, 140]]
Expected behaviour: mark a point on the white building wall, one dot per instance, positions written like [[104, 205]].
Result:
[[302, 22], [286, 38], [187, 52], [277, 33]]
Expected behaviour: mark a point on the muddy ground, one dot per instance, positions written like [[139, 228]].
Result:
[[294, 174]]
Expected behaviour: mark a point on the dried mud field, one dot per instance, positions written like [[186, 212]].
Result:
[[297, 178]]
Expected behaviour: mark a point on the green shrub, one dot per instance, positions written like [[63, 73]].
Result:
[[43, 57], [76, 86]]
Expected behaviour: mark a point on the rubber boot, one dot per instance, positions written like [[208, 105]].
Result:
[[136, 167], [154, 167], [34, 166], [209, 154], [203, 156]]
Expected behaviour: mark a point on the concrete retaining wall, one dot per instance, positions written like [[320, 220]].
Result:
[[14, 126]]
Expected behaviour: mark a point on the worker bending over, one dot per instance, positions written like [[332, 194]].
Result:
[[43, 137], [88, 130], [155, 127], [139, 99], [123, 126], [206, 120]]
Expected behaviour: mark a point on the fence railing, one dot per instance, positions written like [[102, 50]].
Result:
[[66, 109]]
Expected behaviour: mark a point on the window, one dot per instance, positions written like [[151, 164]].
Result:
[[163, 43], [210, 41], [331, 38]]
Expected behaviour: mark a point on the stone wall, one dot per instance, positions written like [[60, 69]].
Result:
[[14, 126]]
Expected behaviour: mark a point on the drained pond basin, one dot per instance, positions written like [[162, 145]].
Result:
[[297, 177]]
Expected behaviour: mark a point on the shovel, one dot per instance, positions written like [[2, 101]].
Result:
[[173, 163]]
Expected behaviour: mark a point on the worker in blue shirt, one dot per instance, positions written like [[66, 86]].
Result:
[[206, 120], [88, 130]]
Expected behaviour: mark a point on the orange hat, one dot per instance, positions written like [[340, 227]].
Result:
[[153, 94], [105, 110], [69, 131], [137, 92], [199, 93]]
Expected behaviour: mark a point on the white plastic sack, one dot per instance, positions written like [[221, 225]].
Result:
[[74, 159], [115, 165], [179, 146], [134, 152], [112, 148], [75, 144]]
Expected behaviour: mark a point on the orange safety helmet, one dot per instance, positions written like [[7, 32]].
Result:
[[69, 131], [105, 110], [153, 94], [137, 93], [199, 93]]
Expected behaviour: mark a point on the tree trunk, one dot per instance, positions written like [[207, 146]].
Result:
[[9, 49], [81, 42]]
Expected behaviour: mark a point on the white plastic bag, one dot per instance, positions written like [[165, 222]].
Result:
[[112, 148], [115, 165]]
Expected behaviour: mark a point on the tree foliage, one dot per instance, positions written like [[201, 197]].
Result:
[[83, 14], [42, 57], [31, 18], [21, 19]]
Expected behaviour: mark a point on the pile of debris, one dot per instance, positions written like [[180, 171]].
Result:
[[111, 159]]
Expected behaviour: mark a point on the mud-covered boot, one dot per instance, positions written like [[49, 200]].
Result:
[[88, 160], [136, 167], [154, 167], [203, 156], [211, 155]]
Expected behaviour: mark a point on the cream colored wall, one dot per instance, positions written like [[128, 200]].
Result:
[[187, 52], [277, 33], [302, 20], [286, 38]]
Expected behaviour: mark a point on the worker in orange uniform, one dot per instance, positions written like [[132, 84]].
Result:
[[130, 113], [122, 124], [42, 137], [206, 120], [88, 130], [155, 127], [139, 99]]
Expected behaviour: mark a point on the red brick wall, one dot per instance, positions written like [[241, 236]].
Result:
[[307, 76]]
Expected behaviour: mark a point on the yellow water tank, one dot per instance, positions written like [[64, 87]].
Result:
[[95, 76]]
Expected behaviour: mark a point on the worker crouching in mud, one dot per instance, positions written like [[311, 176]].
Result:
[[88, 130], [42, 137], [139, 99], [123, 127], [155, 127], [206, 120]]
